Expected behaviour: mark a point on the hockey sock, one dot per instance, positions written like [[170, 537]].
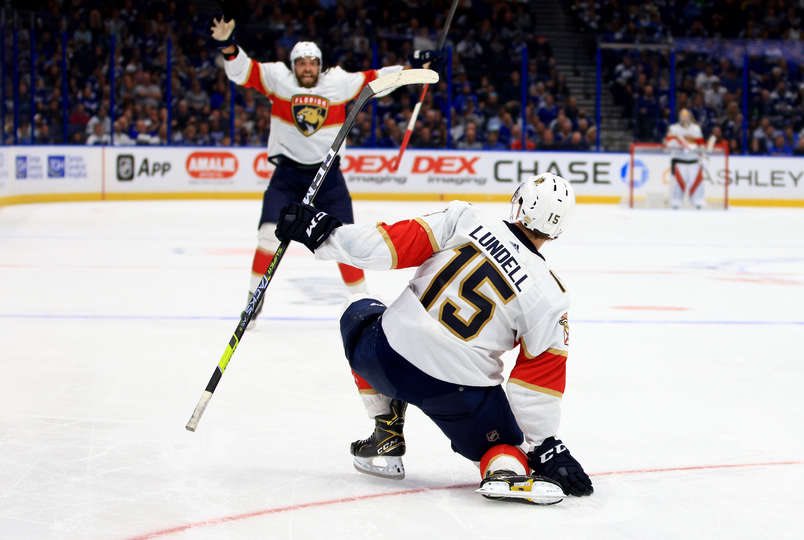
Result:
[[353, 278], [374, 402], [262, 259], [504, 457]]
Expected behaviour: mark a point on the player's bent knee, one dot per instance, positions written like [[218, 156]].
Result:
[[266, 237], [475, 420], [356, 318]]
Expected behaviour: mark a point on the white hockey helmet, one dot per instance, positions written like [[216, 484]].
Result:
[[304, 49], [543, 203]]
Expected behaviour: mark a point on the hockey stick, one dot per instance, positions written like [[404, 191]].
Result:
[[415, 114], [386, 84]]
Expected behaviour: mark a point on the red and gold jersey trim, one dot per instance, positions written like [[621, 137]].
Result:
[[430, 235], [254, 79], [545, 372], [282, 109], [411, 242], [389, 243]]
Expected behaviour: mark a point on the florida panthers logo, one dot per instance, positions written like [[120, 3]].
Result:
[[309, 113], [564, 321]]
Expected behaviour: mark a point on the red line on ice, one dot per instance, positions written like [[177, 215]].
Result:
[[357, 498]]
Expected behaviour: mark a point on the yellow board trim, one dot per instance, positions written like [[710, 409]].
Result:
[[389, 243], [50, 197], [429, 231], [794, 203], [540, 389], [415, 196]]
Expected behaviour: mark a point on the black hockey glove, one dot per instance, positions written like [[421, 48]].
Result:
[[306, 224], [553, 460], [418, 58]]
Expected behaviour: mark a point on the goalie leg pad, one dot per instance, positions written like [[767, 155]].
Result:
[[697, 190]]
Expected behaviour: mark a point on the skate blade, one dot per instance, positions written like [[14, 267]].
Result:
[[384, 467], [534, 490]]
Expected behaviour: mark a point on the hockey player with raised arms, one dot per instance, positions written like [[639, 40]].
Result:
[[481, 288], [308, 107]]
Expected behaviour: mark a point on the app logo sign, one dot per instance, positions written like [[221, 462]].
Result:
[[211, 165], [128, 168], [262, 167], [55, 167], [125, 167]]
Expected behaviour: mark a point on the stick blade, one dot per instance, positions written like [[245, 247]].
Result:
[[388, 83]]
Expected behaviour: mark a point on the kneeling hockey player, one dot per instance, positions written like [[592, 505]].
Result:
[[481, 288]]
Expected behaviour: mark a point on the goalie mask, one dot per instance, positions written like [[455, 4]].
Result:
[[685, 117], [543, 203]]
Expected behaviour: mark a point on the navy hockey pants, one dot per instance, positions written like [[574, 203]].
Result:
[[474, 418], [289, 184]]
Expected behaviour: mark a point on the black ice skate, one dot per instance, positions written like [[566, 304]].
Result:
[[507, 486], [381, 454]]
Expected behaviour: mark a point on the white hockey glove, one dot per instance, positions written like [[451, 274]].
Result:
[[223, 32]]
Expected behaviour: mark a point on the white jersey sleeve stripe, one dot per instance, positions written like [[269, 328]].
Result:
[[551, 350], [535, 387], [390, 244]]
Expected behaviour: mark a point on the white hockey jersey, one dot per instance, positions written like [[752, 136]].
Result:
[[304, 121], [684, 140], [480, 290]]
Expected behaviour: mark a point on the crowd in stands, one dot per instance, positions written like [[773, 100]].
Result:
[[486, 40], [482, 111], [709, 80]]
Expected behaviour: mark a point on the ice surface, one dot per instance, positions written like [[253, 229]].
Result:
[[686, 352]]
